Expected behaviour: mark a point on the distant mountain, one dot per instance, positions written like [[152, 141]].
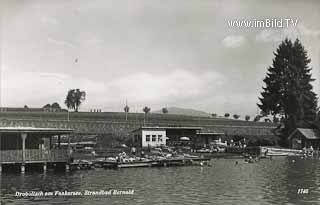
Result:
[[185, 111]]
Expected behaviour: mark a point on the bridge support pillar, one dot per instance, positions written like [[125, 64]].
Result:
[[59, 140], [22, 168], [23, 138], [45, 167]]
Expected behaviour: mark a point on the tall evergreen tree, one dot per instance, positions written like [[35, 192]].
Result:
[[288, 92]]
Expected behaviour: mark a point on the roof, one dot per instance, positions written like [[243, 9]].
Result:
[[210, 133], [35, 130], [167, 128], [78, 143], [307, 133]]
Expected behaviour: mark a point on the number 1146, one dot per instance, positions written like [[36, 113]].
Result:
[[303, 191]]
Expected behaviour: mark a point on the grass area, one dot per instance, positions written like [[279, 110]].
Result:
[[131, 117]]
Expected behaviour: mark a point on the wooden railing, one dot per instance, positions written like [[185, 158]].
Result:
[[34, 155]]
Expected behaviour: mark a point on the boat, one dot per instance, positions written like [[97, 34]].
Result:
[[81, 164], [278, 154], [127, 163]]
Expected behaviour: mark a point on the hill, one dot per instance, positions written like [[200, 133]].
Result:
[[185, 111]]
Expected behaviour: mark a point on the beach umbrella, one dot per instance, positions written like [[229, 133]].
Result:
[[184, 138], [123, 145]]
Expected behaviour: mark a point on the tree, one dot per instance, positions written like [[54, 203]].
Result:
[[146, 110], [288, 91], [247, 117], [257, 118], [74, 99], [214, 115], [227, 115], [47, 106], [165, 110], [25, 107], [275, 119], [55, 105], [235, 116], [126, 110]]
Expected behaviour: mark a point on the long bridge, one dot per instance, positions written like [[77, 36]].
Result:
[[120, 124]]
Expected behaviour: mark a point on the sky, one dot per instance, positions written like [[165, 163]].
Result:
[[168, 53]]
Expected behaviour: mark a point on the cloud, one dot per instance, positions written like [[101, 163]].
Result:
[[36, 89], [60, 42], [53, 75], [233, 41], [49, 20], [176, 87], [268, 35]]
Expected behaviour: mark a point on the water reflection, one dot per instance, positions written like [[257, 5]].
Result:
[[264, 182]]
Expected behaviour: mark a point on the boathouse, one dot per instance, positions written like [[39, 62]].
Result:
[[302, 137], [29, 145]]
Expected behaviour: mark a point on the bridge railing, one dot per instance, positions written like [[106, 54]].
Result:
[[34, 155]]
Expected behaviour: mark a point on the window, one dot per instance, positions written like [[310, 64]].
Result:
[[160, 138], [147, 138], [154, 138]]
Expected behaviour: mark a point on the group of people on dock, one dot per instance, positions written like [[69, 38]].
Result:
[[310, 152]]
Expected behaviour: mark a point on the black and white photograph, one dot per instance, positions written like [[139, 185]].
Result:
[[159, 102]]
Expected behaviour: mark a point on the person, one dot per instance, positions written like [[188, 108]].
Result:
[[257, 158], [311, 150], [304, 150], [266, 152], [133, 151]]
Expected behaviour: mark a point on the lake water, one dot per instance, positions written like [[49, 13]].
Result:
[[264, 182]]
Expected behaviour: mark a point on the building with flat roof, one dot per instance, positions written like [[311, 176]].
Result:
[[149, 137], [171, 136]]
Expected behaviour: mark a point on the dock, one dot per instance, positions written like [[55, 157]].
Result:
[[194, 161]]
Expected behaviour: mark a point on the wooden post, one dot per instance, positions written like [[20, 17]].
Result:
[[45, 167], [50, 142], [59, 139], [23, 138], [22, 168], [69, 146]]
